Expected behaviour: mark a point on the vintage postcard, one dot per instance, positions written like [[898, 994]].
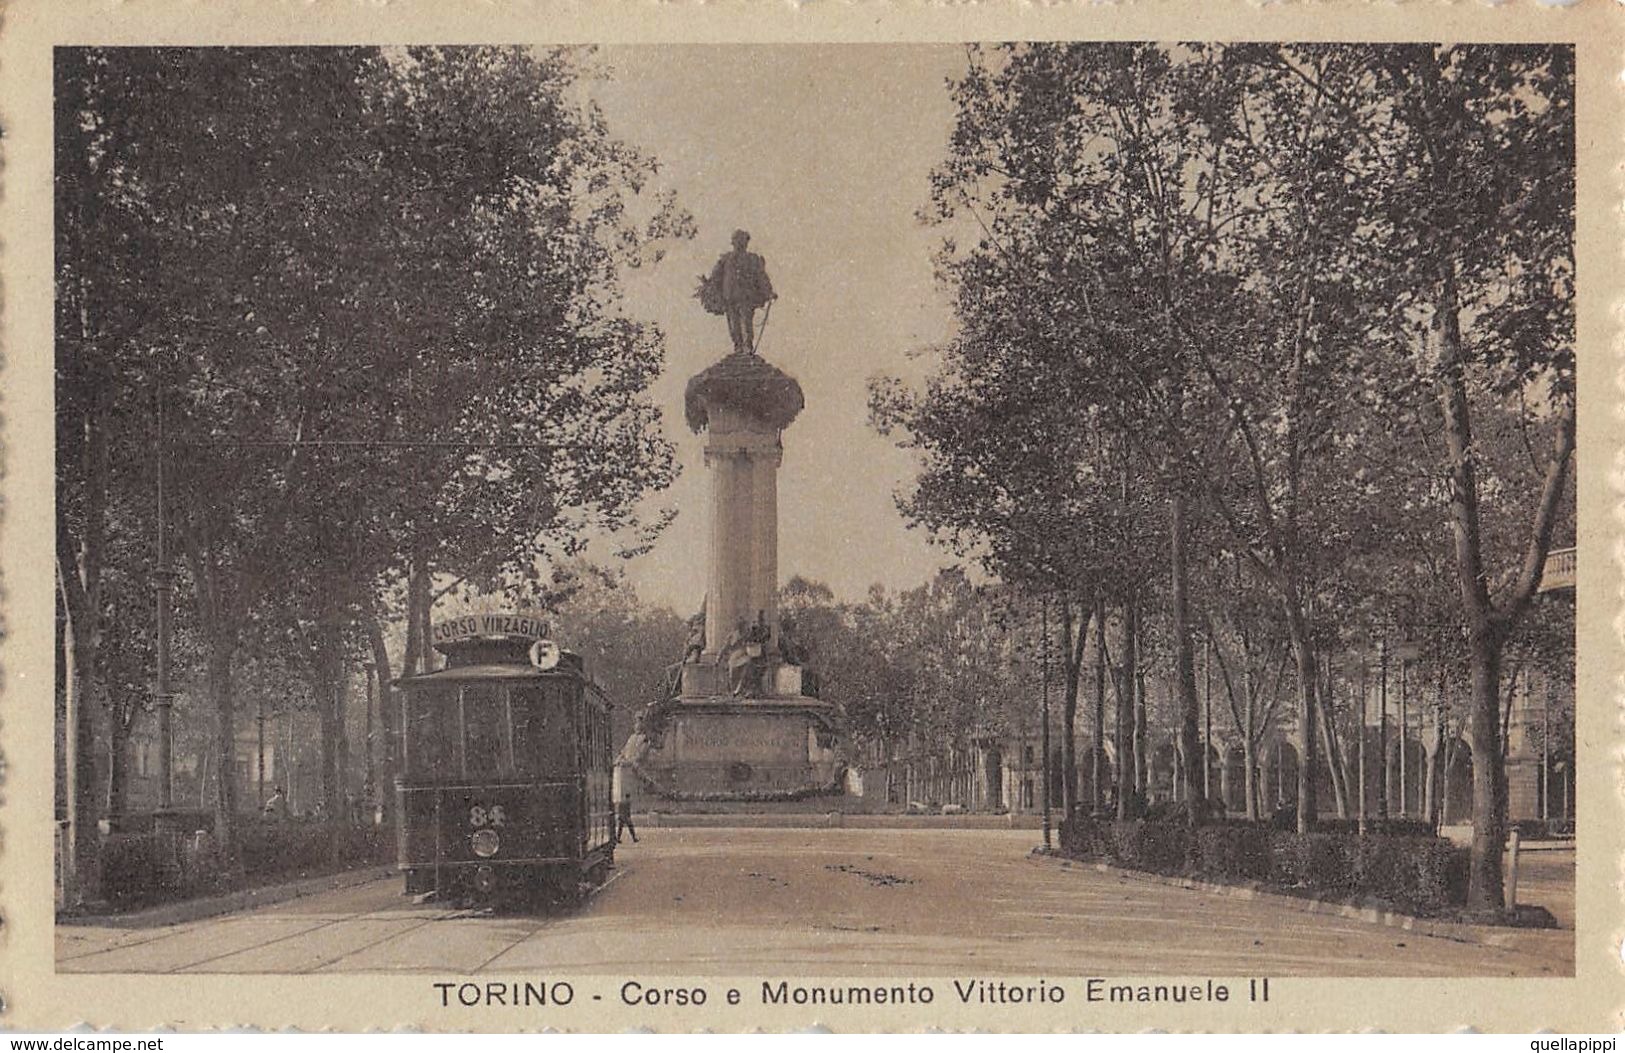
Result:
[[752, 516]]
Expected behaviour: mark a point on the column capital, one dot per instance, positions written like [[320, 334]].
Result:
[[752, 446]]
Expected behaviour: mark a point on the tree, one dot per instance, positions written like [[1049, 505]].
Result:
[[379, 299], [1480, 196], [628, 646]]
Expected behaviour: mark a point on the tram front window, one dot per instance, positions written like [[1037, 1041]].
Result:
[[486, 749], [543, 731], [431, 717]]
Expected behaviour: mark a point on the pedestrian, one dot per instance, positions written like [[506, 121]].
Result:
[[623, 818], [276, 806]]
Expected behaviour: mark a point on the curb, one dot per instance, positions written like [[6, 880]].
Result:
[[826, 820], [229, 902], [1369, 911]]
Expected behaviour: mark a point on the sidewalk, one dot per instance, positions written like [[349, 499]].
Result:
[[850, 820], [1550, 892], [229, 902]]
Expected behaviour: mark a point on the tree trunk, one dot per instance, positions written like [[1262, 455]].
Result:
[[1249, 733], [1304, 658], [221, 690], [81, 866], [1076, 643], [1439, 762], [216, 613], [1097, 742], [85, 737], [1189, 706], [389, 754], [1334, 748], [1125, 718], [325, 687], [417, 609], [1142, 770], [1436, 773], [327, 690], [1249, 750], [341, 729], [1484, 888], [118, 759], [1069, 710], [1485, 891]]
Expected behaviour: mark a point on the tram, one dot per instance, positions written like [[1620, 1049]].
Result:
[[505, 791]]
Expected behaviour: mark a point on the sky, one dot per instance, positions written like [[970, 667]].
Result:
[[823, 153]]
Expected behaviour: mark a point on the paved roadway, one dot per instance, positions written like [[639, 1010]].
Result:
[[823, 902]]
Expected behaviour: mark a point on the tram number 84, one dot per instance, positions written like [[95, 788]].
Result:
[[481, 815]]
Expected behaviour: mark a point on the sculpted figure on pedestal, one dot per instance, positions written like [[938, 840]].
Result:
[[736, 287]]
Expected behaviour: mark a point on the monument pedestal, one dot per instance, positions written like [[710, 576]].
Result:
[[740, 727], [737, 749]]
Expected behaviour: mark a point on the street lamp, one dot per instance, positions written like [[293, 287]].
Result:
[[1407, 651], [1365, 702], [369, 787], [1043, 651], [1382, 728], [1207, 716]]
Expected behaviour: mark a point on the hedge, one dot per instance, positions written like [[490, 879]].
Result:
[[1417, 874], [147, 868]]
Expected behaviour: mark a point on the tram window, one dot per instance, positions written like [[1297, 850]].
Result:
[[430, 716], [543, 735], [485, 731]]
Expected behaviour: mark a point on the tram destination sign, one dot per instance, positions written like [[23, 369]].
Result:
[[470, 626]]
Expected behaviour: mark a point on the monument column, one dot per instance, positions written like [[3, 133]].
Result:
[[743, 456], [765, 544], [742, 405]]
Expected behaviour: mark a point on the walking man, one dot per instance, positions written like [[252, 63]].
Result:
[[623, 818]]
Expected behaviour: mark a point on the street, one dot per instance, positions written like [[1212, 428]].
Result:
[[822, 902]]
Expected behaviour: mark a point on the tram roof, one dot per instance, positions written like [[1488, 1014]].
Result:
[[486, 671]]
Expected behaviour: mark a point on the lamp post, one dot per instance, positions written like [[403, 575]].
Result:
[[1360, 744], [369, 786], [1382, 727], [1207, 716], [259, 750], [1404, 733], [1043, 651], [1408, 650], [1546, 753]]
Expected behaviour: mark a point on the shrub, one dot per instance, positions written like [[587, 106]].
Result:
[[147, 868], [1317, 861], [273, 847], [1158, 847], [142, 869], [1284, 818], [1082, 837], [1236, 851], [1379, 864], [1388, 827], [1429, 876], [1419, 874], [137, 869]]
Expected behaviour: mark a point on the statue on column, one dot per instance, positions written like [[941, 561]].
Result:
[[736, 287]]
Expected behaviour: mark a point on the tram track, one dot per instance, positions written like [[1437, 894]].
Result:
[[359, 916], [549, 922]]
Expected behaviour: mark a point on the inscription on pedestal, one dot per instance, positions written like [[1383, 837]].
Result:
[[757, 739]]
